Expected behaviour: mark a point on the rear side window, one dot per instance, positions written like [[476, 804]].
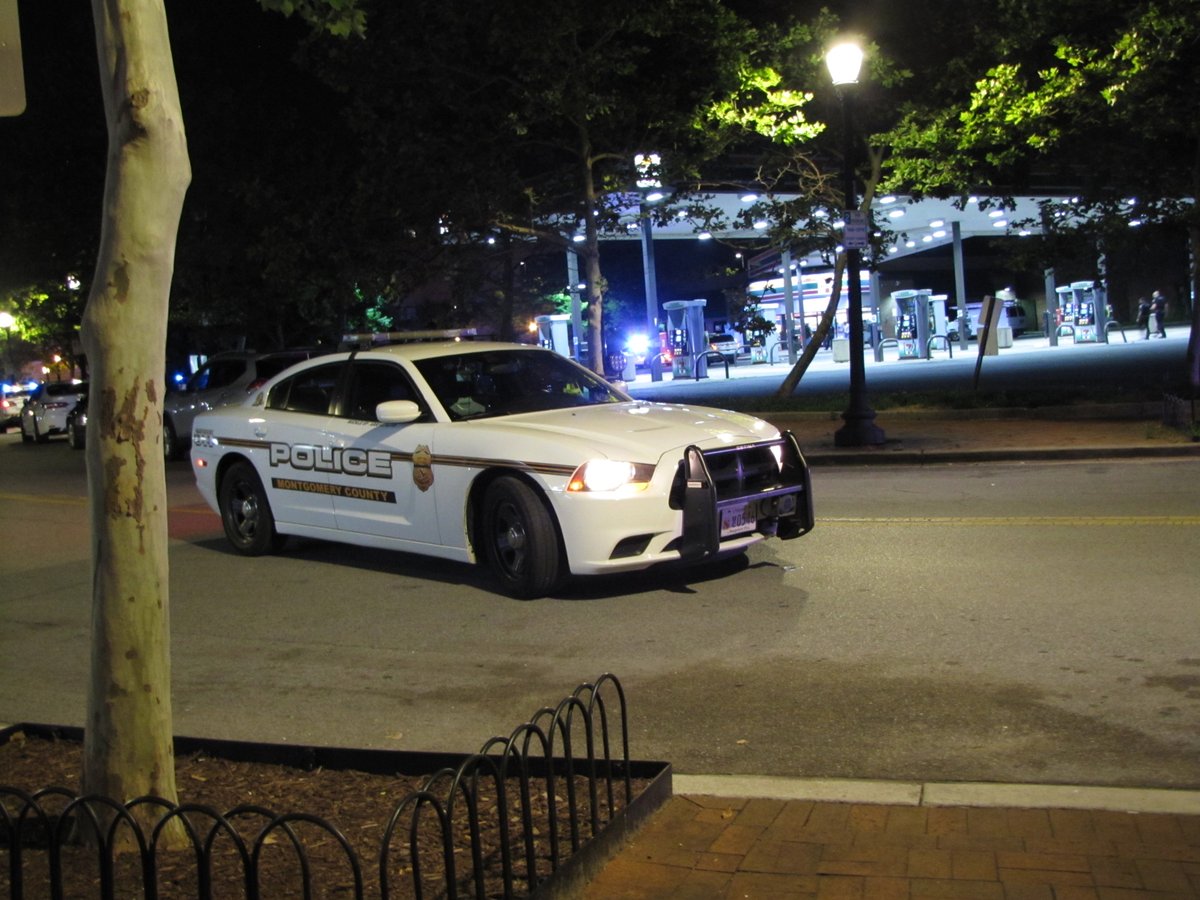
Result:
[[218, 373], [310, 391]]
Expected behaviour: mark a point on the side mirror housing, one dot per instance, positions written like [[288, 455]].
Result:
[[397, 412]]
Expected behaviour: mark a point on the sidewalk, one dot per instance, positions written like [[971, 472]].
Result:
[[1039, 845], [941, 436], [728, 837]]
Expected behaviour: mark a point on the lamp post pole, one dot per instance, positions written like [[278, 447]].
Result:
[[859, 429]]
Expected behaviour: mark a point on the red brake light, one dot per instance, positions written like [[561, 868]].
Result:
[[255, 385]]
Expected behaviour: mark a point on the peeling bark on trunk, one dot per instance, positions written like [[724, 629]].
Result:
[[129, 729]]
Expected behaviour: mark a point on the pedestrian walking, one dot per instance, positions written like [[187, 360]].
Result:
[[1143, 316], [1158, 309]]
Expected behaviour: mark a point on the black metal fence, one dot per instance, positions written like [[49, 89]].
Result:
[[502, 823]]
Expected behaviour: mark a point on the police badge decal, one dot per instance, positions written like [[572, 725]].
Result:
[[422, 461]]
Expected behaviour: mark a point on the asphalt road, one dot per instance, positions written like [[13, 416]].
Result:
[[1008, 622]]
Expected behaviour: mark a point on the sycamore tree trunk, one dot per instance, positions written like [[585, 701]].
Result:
[[128, 743], [792, 380]]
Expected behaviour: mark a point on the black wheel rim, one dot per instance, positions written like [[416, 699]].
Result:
[[510, 539], [244, 514]]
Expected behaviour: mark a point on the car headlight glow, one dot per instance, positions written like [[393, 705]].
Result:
[[610, 475]]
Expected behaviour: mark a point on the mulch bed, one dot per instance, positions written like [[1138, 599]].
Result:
[[357, 804]]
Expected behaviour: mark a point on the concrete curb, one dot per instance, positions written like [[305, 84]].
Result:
[[973, 794]]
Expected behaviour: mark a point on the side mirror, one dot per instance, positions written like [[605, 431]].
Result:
[[397, 412]]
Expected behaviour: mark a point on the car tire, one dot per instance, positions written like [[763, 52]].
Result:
[[170, 441], [245, 512], [26, 437], [75, 437], [38, 437], [520, 540]]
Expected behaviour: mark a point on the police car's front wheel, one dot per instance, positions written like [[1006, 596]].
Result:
[[245, 512], [520, 541]]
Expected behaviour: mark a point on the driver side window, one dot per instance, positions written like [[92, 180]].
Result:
[[372, 383]]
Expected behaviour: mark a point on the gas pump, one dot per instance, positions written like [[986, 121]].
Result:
[[937, 316], [1066, 306], [554, 333], [1090, 313], [911, 322], [688, 340]]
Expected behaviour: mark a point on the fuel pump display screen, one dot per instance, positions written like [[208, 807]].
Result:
[[1086, 313], [906, 328]]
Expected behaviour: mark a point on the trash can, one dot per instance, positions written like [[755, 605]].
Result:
[[841, 350]]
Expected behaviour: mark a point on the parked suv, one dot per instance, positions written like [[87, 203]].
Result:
[[226, 378], [726, 344]]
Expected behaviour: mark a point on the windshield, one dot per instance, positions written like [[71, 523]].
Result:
[[504, 382], [61, 388]]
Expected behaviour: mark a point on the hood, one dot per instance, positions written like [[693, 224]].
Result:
[[642, 430]]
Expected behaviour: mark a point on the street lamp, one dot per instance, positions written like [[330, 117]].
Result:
[[860, 430]]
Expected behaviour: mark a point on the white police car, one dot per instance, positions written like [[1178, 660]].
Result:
[[502, 453]]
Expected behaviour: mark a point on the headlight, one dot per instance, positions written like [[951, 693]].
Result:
[[610, 475]]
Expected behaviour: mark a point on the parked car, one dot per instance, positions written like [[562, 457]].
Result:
[[45, 412], [727, 345], [1012, 315], [224, 379], [503, 454], [77, 424], [11, 404]]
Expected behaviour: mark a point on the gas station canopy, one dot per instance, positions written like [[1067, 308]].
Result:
[[915, 225]]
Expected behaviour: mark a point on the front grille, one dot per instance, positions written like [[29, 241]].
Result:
[[736, 472], [742, 470]]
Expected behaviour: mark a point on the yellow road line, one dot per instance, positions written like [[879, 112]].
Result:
[[992, 521]]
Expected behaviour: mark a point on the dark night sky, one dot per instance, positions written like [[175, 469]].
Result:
[[235, 76], [233, 70]]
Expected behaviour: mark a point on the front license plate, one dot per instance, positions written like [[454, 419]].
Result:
[[736, 519]]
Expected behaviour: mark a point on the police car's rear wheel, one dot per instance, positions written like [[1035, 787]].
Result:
[[519, 539], [245, 512]]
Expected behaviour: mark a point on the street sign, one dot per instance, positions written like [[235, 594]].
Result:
[[12, 75], [854, 234]]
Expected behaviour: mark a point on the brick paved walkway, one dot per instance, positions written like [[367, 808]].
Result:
[[697, 848]]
